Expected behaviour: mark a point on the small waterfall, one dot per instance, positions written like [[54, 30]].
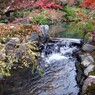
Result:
[[58, 62], [59, 72]]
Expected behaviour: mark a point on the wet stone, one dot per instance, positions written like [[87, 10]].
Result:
[[44, 32], [5, 40], [87, 60], [88, 69], [88, 85], [1, 76], [88, 48]]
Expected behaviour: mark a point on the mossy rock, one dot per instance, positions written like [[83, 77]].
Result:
[[90, 90], [92, 72]]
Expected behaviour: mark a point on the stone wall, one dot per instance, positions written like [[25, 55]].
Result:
[[87, 56]]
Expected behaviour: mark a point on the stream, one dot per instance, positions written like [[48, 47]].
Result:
[[59, 72], [59, 77]]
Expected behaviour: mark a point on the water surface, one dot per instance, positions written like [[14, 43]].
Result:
[[59, 72]]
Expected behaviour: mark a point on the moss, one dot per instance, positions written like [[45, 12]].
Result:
[[92, 72], [81, 67], [90, 90]]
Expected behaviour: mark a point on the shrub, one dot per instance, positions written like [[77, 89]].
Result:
[[39, 18]]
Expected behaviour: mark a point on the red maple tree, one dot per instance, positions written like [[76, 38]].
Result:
[[47, 4], [88, 3], [23, 4]]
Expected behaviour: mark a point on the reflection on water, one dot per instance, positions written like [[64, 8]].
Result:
[[65, 30]]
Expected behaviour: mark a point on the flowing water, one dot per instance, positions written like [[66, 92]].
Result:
[[59, 72], [59, 76]]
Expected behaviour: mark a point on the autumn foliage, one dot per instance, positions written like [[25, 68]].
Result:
[[88, 3], [47, 4], [23, 4]]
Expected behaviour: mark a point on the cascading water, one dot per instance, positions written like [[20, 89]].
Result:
[[59, 76], [59, 72]]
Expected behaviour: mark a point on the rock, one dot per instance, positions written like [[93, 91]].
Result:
[[83, 56], [5, 40], [1, 76], [87, 60], [88, 82], [44, 29], [6, 10], [44, 32], [13, 41], [33, 37], [19, 53], [79, 72], [22, 21], [88, 69], [12, 27], [90, 39], [88, 48], [2, 23], [10, 46]]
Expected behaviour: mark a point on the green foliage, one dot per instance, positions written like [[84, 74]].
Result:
[[3, 19], [90, 89], [21, 13], [20, 31], [18, 14], [91, 15], [40, 18], [73, 29], [24, 55], [71, 12]]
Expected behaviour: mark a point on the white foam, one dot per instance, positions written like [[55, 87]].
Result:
[[55, 57]]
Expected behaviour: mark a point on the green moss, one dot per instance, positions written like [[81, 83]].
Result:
[[81, 67], [90, 90]]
